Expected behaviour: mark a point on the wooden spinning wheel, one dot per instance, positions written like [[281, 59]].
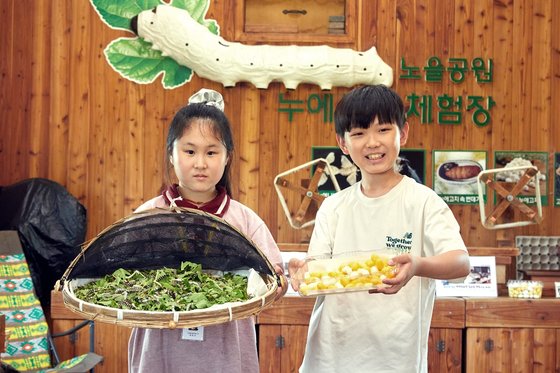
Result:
[[308, 189], [509, 197]]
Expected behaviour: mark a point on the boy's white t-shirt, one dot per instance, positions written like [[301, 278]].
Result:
[[362, 332]]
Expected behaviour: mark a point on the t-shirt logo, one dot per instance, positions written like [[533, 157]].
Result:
[[401, 245]]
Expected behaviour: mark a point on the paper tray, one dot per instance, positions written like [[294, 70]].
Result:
[[315, 293]]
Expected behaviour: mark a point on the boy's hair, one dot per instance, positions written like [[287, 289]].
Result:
[[220, 126], [359, 108]]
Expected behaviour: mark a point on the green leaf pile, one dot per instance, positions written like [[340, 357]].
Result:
[[166, 289]]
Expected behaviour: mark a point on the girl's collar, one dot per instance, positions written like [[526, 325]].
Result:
[[217, 206]]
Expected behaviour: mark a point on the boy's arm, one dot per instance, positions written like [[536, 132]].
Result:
[[448, 265], [295, 266], [445, 266], [320, 244]]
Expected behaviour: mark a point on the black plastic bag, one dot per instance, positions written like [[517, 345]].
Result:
[[51, 224]]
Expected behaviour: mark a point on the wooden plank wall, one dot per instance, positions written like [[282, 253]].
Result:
[[67, 116]]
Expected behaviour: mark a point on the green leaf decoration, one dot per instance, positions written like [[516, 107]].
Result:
[[117, 14], [135, 60], [198, 9]]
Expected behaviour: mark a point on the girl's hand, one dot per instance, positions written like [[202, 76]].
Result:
[[283, 288], [295, 265], [405, 269]]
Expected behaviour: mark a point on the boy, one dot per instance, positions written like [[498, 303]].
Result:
[[388, 331]]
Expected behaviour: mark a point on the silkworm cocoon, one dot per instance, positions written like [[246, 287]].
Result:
[[462, 172], [177, 35], [354, 275], [347, 270], [363, 272]]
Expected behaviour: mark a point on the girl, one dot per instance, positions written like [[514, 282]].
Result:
[[199, 149]]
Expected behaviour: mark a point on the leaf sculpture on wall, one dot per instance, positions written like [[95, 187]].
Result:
[[133, 57], [175, 40]]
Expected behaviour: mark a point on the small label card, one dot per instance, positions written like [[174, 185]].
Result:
[[193, 334], [480, 282]]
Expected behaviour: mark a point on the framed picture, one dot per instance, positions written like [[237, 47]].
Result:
[[480, 282], [345, 171], [505, 159], [412, 163], [455, 175]]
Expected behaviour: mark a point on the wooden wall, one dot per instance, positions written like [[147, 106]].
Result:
[[67, 116]]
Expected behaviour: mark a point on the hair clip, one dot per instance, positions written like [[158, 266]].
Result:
[[208, 97]]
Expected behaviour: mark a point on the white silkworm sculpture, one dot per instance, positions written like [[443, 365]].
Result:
[[173, 32]]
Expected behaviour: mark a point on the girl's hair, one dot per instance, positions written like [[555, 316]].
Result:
[[220, 127], [359, 108]]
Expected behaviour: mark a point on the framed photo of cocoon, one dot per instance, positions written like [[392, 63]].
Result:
[[455, 175]]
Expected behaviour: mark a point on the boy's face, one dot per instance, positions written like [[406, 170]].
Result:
[[375, 149]]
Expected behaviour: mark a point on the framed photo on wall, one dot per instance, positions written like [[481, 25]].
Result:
[[505, 159], [455, 175], [412, 163]]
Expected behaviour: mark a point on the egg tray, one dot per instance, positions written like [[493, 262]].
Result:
[[538, 253]]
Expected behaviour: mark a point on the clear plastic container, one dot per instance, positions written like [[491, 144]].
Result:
[[524, 289], [353, 271]]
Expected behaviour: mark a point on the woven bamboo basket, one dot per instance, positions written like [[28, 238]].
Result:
[[164, 238]]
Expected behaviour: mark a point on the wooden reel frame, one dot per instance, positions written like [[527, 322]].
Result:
[[509, 197], [310, 193]]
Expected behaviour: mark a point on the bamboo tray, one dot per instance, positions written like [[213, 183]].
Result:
[[169, 320], [163, 238]]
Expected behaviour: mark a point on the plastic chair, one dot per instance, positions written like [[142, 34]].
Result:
[[29, 345]]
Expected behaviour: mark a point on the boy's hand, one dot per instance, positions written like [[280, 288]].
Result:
[[405, 269], [295, 265]]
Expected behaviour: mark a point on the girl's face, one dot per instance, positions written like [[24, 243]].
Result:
[[375, 149], [199, 159]]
